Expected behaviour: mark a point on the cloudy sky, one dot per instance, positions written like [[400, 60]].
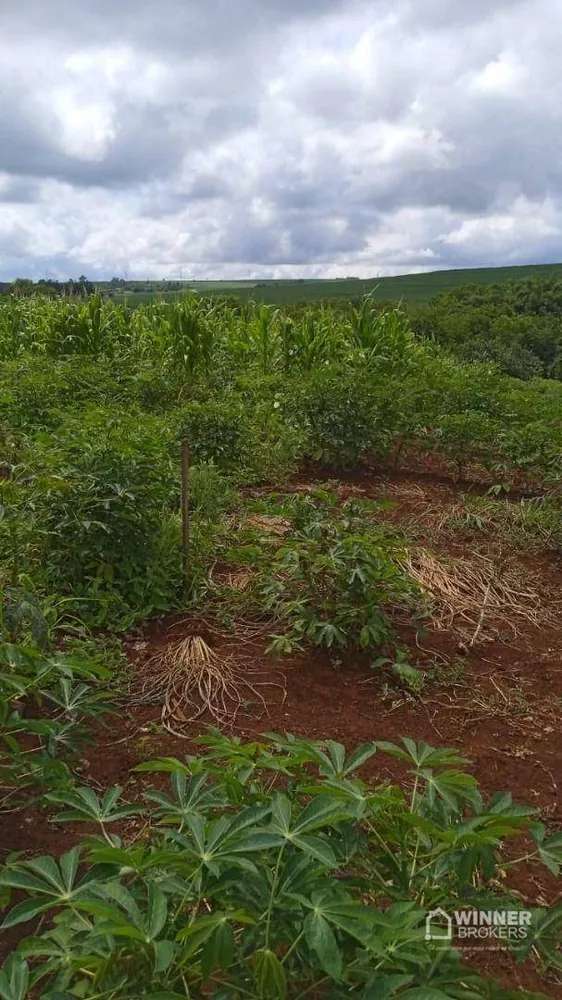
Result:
[[223, 138]]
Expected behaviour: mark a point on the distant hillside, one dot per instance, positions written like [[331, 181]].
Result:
[[409, 287]]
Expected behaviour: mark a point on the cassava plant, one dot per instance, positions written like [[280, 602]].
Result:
[[335, 577], [47, 702], [270, 870]]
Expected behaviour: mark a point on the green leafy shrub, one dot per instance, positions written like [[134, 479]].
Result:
[[469, 436], [94, 525], [234, 891], [216, 431], [516, 324], [344, 411], [530, 447], [335, 576], [63, 691], [210, 492]]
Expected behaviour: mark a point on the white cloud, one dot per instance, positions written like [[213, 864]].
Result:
[[278, 136]]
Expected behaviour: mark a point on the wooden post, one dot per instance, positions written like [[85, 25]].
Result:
[[185, 510]]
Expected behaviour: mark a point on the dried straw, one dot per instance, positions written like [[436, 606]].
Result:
[[269, 522], [474, 596]]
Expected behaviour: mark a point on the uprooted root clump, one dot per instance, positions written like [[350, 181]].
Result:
[[189, 679]]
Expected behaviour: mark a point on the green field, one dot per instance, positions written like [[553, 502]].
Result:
[[216, 521], [406, 287]]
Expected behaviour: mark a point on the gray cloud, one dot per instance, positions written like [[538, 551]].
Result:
[[276, 136], [171, 26], [18, 190], [444, 14]]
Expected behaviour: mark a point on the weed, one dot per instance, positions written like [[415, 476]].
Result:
[[107, 651], [404, 674]]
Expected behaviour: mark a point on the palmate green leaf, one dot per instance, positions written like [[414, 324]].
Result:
[[332, 762], [422, 755], [79, 699], [343, 912], [132, 859], [502, 804], [12, 685], [54, 883], [85, 806], [115, 893], [24, 911], [165, 765], [14, 978], [453, 787], [352, 792], [40, 727], [197, 828], [164, 953], [299, 751], [226, 840], [477, 837], [195, 936], [471, 859], [225, 830], [219, 949], [262, 840], [270, 976], [280, 814], [359, 757], [329, 761], [157, 911], [110, 915], [549, 849], [316, 847], [545, 935], [57, 944], [321, 939], [37, 875], [381, 986], [117, 928], [296, 874], [322, 811], [189, 796], [71, 665]]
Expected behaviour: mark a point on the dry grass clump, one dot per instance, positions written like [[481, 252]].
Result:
[[270, 523], [474, 596], [188, 678], [236, 579]]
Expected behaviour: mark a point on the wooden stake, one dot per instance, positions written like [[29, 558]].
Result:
[[185, 510]]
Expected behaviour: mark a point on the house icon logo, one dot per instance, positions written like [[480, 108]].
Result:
[[438, 926]]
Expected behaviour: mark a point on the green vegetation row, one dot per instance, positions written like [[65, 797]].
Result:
[[319, 886], [515, 323], [95, 398]]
